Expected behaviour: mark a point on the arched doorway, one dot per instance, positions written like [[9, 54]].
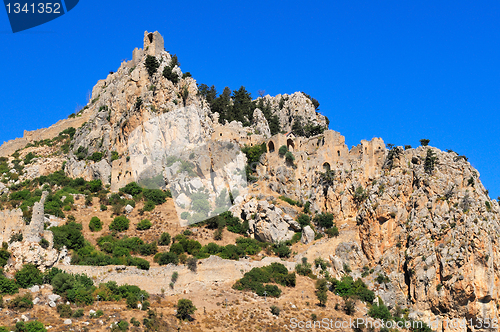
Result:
[[326, 167], [290, 145], [270, 146]]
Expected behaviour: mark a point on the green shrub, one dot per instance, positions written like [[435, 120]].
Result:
[[149, 206], [64, 310], [192, 264], [151, 64], [324, 220], [4, 257], [380, 311], [8, 286], [331, 232], [95, 224], [144, 225], [424, 142], [274, 273], [78, 313], [283, 150], [156, 196], [350, 288], [132, 189], [185, 215], [120, 224], [288, 200], [28, 276], [382, 278], [322, 291], [282, 250], [135, 322], [275, 310], [303, 219], [164, 239], [185, 309], [21, 303], [170, 75], [114, 155], [304, 268], [33, 326], [132, 301], [96, 157], [168, 258], [68, 235], [103, 207], [289, 156]]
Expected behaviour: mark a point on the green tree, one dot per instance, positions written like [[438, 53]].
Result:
[[321, 291], [151, 64], [185, 309], [430, 161], [242, 109], [424, 141], [222, 105]]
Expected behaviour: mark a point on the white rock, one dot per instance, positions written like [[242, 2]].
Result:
[[307, 235], [67, 322], [52, 304], [36, 300], [54, 297], [35, 289], [129, 208]]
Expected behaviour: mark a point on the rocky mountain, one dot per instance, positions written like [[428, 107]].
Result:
[[418, 218]]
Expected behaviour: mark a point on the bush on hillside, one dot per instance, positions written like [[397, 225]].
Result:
[[120, 224]]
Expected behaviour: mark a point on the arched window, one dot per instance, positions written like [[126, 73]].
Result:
[[290, 145], [338, 153], [270, 146]]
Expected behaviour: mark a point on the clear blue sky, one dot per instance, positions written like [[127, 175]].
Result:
[[394, 69]]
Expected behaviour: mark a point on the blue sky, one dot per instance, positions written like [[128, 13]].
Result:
[[397, 70]]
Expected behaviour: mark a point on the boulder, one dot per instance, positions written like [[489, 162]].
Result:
[[129, 208], [307, 235]]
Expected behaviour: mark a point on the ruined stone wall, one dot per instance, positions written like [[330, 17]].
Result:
[[211, 271], [11, 146], [11, 222]]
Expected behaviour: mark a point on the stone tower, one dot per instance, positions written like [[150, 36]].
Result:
[[34, 231], [153, 43]]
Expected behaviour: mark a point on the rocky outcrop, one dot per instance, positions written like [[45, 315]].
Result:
[[268, 223], [33, 253], [260, 123], [296, 106]]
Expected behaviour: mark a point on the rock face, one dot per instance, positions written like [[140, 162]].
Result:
[[32, 253], [260, 123], [296, 106], [307, 235], [268, 223]]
